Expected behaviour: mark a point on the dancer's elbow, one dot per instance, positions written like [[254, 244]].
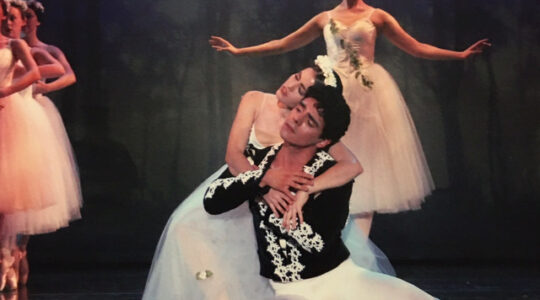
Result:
[[211, 208]]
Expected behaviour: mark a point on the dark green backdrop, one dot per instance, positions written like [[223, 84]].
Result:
[[150, 114]]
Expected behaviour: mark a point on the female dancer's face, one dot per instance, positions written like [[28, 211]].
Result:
[[14, 22], [294, 88], [32, 21]]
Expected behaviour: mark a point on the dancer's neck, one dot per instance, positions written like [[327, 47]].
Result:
[[292, 157], [31, 39], [350, 4]]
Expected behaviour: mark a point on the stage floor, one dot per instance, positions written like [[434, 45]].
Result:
[[443, 281]]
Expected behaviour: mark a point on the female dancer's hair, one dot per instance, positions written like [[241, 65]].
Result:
[[20, 4], [38, 9], [4, 6]]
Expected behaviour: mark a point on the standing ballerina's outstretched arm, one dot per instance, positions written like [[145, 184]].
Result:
[[383, 21], [390, 28]]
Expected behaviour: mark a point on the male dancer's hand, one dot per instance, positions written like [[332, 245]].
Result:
[[294, 213], [278, 201]]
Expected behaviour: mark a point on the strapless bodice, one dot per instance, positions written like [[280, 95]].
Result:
[[7, 65], [350, 46]]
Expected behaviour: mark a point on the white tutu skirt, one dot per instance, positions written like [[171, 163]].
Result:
[[35, 147], [383, 137], [224, 248], [349, 282]]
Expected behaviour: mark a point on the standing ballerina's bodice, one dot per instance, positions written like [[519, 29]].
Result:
[[348, 44], [7, 65]]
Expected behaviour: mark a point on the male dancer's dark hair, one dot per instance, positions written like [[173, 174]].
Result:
[[333, 109]]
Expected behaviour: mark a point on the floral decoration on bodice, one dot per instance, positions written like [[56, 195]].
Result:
[[351, 52]]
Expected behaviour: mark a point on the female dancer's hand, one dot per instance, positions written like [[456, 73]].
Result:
[[40, 87], [4, 92], [284, 180], [278, 201], [221, 44], [476, 48], [294, 213]]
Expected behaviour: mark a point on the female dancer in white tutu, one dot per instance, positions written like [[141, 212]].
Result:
[[33, 17], [66, 207], [381, 135], [198, 256]]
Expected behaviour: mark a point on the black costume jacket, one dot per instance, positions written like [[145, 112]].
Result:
[[314, 247]]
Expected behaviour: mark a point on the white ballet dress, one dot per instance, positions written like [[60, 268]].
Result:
[[37, 177], [381, 134]]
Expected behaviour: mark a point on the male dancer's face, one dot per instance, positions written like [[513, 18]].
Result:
[[304, 125]]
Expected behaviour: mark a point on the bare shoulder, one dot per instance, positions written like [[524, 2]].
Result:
[[253, 96], [37, 50], [380, 15], [53, 50], [18, 44], [322, 18], [381, 18], [251, 100]]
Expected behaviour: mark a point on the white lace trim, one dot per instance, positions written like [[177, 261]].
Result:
[[285, 272], [322, 157], [243, 177]]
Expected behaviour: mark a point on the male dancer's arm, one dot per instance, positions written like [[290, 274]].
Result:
[[228, 192]]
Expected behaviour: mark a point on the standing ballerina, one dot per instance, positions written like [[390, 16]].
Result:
[[34, 16], [67, 207], [382, 134]]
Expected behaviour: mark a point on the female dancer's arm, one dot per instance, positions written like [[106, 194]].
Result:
[[67, 79], [391, 29], [301, 37], [48, 66], [239, 134], [22, 51], [345, 170]]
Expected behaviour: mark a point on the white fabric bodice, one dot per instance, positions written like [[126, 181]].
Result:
[[346, 42], [253, 139], [7, 65], [265, 123]]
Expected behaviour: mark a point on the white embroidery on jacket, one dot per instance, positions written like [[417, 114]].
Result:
[[243, 177]]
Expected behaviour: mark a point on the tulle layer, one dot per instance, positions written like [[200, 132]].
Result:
[[383, 137], [42, 155], [194, 242], [66, 161], [25, 162]]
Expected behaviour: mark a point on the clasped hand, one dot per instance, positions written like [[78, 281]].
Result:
[[280, 198]]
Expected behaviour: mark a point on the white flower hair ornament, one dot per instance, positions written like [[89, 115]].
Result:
[[36, 5], [326, 65], [18, 3]]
